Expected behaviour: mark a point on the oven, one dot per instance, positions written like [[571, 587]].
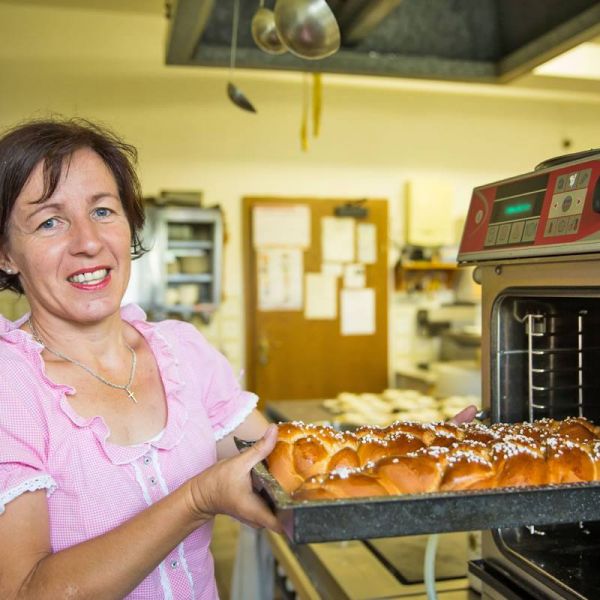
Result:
[[535, 242]]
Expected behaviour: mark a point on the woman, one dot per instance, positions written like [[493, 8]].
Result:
[[110, 427]]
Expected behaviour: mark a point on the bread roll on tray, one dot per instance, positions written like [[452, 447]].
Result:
[[316, 462]]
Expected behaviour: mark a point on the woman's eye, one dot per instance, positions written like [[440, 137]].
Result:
[[48, 224], [102, 212]]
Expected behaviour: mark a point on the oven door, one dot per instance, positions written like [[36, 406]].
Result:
[[544, 362]]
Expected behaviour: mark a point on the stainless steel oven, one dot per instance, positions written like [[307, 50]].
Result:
[[535, 241]]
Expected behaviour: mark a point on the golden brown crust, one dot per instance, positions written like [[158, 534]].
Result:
[[316, 462]]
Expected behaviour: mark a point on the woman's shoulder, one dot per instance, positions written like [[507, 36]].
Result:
[[16, 346]]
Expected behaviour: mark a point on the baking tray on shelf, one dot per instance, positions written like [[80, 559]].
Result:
[[418, 514]]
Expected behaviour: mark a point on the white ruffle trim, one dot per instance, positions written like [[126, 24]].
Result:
[[31, 485], [240, 417]]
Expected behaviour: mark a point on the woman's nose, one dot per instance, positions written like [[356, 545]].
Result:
[[85, 237]]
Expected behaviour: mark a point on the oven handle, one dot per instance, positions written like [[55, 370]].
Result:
[[596, 197], [498, 581]]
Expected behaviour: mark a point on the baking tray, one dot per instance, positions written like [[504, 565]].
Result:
[[417, 514]]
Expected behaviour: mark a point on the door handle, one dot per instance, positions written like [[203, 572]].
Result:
[[263, 351]]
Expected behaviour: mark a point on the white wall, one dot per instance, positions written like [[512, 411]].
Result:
[[376, 134]]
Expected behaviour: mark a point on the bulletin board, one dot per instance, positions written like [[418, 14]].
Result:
[[316, 297]]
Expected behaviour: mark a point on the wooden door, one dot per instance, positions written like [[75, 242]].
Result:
[[290, 357]]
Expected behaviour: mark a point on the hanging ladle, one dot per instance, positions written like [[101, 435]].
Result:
[[308, 28], [264, 32], [235, 94]]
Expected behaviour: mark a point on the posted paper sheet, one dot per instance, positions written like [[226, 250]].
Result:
[[355, 276], [283, 225], [366, 242], [321, 296], [280, 272], [337, 239], [357, 312], [331, 268]]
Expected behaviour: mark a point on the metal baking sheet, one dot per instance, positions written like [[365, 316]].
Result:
[[387, 516]]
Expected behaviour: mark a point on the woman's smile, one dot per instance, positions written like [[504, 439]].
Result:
[[90, 279]]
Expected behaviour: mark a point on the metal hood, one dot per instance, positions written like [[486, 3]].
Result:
[[461, 40]]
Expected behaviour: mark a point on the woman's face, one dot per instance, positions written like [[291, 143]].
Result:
[[72, 251]]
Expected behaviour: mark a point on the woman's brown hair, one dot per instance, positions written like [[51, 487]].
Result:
[[53, 142]]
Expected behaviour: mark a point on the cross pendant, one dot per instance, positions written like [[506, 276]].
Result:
[[131, 396]]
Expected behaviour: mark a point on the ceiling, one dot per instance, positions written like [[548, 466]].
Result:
[[453, 40]]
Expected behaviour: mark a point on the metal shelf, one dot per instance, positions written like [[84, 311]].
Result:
[[189, 278], [190, 244]]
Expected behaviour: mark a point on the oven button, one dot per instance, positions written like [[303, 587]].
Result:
[[478, 216], [516, 231], [566, 203], [503, 234], [571, 181], [530, 230], [560, 183], [573, 224], [583, 178], [561, 225], [550, 228], [490, 238]]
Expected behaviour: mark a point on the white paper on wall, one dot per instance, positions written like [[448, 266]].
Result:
[[332, 268], [429, 213], [321, 296], [337, 239], [280, 272], [366, 242], [355, 276], [357, 312], [281, 226]]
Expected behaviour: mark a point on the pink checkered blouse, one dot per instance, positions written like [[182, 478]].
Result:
[[92, 485]]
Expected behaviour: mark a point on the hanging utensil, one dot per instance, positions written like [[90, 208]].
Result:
[[304, 119], [264, 32], [317, 98], [307, 27], [235, 94]]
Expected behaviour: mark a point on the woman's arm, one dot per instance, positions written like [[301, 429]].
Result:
[[111, 565], [252, 428]]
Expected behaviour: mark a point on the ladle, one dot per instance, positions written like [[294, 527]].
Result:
[[307, 27], [235, 94], [264, 32]]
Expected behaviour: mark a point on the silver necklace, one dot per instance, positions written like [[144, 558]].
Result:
[[126, 387]]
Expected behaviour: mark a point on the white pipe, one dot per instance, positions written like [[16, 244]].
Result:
[[429, 566]]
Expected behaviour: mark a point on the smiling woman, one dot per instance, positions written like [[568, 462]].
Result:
[[110, 426]]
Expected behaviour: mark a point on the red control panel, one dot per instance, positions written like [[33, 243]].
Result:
[[550, 211]]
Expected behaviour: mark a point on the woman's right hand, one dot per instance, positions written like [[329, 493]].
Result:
[[226, 487]]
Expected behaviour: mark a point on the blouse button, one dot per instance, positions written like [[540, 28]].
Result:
[[153, 480], [147, 460], [174, 564]]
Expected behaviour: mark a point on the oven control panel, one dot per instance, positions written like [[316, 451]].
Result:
[[552, 211]]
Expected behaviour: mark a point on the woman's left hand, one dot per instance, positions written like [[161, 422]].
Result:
[[466, 415]]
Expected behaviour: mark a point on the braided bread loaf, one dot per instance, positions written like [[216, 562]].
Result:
[[316, 462]]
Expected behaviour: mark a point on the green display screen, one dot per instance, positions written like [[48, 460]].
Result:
[[521, 207]]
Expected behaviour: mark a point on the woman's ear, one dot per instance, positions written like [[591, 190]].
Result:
[[6, 264]]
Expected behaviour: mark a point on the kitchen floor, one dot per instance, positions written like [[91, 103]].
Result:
[[223, 547]]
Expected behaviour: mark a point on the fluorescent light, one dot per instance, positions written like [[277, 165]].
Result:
[[582, 62]]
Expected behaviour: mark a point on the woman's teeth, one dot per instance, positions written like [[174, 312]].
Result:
[[90, 277]]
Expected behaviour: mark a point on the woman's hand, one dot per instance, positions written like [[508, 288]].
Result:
[[226, 487], [466, 415]]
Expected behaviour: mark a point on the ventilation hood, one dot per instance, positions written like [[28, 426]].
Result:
[[453, 40]]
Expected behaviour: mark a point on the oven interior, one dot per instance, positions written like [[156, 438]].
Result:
[[545, 362]]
